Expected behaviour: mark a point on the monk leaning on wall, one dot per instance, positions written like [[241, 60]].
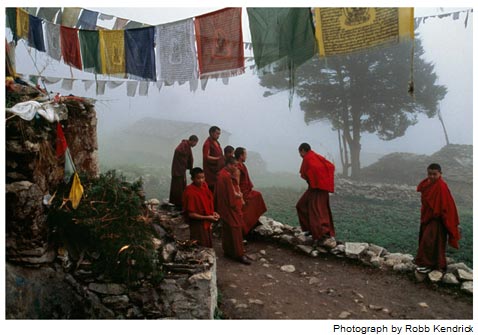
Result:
[[213, 158], [438, 222], [182, 161]]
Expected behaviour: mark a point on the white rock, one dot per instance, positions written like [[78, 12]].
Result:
[[262, 252], [375, 307], [467, 286], [305, 248], [376, 261], [453, 267], [344, 315], [423, 304], [449, 278], [404, 267], [241, 306], [377, 250], [314, 280], [464, 275], [288, 268], [277, 224], [435, 276], [354, 249]]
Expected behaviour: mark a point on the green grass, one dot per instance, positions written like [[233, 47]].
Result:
[[390, 224], [393, 225]]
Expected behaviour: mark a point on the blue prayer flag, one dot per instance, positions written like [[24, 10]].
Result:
[[139, 50], [35, 33]]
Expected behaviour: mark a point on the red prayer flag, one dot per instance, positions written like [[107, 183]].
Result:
[[61, 144], [219, 42], [70, 46]]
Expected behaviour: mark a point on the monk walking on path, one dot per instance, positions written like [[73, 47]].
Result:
[[182, 160], [254, 205], [212, 157], [313, 207], [438, 222], [229, 202]]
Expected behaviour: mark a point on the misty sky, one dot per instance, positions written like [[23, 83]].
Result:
[[266, 125]]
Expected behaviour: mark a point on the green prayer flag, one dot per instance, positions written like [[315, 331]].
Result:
[[12, 20], [90, 50], [285, 34]]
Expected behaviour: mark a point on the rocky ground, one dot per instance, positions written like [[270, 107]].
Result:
[[285, 284]]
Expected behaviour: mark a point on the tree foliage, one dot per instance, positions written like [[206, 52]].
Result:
[[365, 92]]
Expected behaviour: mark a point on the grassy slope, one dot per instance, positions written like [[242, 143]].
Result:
[[391, 224]]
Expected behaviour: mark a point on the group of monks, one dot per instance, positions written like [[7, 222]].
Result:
[[222, 190]]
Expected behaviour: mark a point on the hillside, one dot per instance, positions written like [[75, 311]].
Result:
[[405, 168]]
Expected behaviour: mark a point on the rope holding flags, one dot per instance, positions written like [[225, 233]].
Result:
[[282, 39]]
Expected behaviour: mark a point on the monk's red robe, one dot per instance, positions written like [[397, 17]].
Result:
[[313, 208], [229, 208], [254, 203], [198, 200], [438, 223], [212, 168], [182, 161]]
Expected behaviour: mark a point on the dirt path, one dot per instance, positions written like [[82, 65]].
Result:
[[326, 287]]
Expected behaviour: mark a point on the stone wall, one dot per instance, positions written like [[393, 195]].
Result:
[[33, 172], [44, 281]]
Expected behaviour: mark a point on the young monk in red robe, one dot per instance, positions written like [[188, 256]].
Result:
[[212, 157], [228, 151], [438, 222], [199, 209], [182, 161], [229, 202], [254, 205], [313, 208]]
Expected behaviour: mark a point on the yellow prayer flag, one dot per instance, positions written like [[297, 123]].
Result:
[[112, 51], [23, 23], [76, 191], [345, 30]]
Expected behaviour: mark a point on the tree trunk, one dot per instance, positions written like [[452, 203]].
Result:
[[355, 146], [355, 158], [347, 139], [443, 125], [342, 160]]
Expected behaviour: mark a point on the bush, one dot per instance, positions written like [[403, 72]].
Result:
[[111, 222]]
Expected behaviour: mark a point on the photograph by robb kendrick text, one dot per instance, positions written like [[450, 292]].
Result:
[[403, 329]]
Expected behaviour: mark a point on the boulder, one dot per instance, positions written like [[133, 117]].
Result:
[[449, 278], [464, 275], [288, 268], [435, 276], [467, 287], [354, 249], [305, 248]]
